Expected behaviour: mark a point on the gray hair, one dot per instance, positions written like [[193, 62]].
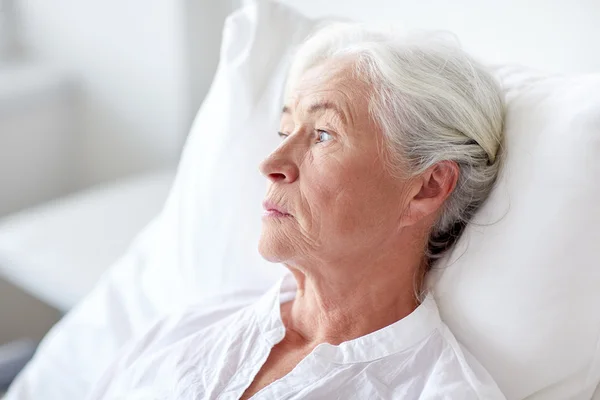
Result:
[[433, 102]]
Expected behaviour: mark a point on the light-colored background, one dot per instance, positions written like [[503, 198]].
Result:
[[96, 90], [141, 69], [554, 35], [93, 91]]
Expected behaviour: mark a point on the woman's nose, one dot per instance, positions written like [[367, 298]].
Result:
[[276, 168]]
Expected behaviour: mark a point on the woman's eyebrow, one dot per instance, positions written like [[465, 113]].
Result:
[[325, 105]]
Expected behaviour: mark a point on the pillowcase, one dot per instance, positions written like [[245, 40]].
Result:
[[519, 290]]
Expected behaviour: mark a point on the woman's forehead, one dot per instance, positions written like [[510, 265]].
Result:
[[331, 87]]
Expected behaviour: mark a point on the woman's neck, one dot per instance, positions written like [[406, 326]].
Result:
[[347, 303]]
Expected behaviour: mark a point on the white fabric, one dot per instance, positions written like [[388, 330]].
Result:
[[58, 251], [190, 357], [522, 288], [525, 303]]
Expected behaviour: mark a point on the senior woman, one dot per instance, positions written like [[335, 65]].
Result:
[[389, 144]]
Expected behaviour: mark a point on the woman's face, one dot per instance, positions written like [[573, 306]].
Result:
[[330, 197]]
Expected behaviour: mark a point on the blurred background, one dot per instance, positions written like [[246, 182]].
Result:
[[96, 99]]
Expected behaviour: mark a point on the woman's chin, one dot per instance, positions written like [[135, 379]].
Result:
[[271, 250]]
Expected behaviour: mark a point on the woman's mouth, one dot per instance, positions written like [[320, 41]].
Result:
[[275, 214], [273, 210]]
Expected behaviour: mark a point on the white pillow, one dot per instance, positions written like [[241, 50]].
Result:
[[204, 242], [522, 287]]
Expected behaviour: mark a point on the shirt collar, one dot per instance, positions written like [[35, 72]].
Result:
[[394, 338]]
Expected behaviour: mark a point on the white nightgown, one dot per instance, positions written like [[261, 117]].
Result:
[[216, 353]]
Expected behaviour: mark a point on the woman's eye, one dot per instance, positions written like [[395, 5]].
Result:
[[282, 135], [323, 136]]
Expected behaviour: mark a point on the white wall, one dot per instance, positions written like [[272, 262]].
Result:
[[36, 137], [138, 90], [555, 35], [204, 24], [7, 38]]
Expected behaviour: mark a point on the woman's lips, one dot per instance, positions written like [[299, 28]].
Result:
[[275, 214], [274, 210]]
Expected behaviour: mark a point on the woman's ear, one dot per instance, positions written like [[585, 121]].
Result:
[[430, 190]]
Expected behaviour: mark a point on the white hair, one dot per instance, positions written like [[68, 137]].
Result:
[[433, 102]]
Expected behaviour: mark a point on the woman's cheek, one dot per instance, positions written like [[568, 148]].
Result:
[[322, 170], [324, 178]]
